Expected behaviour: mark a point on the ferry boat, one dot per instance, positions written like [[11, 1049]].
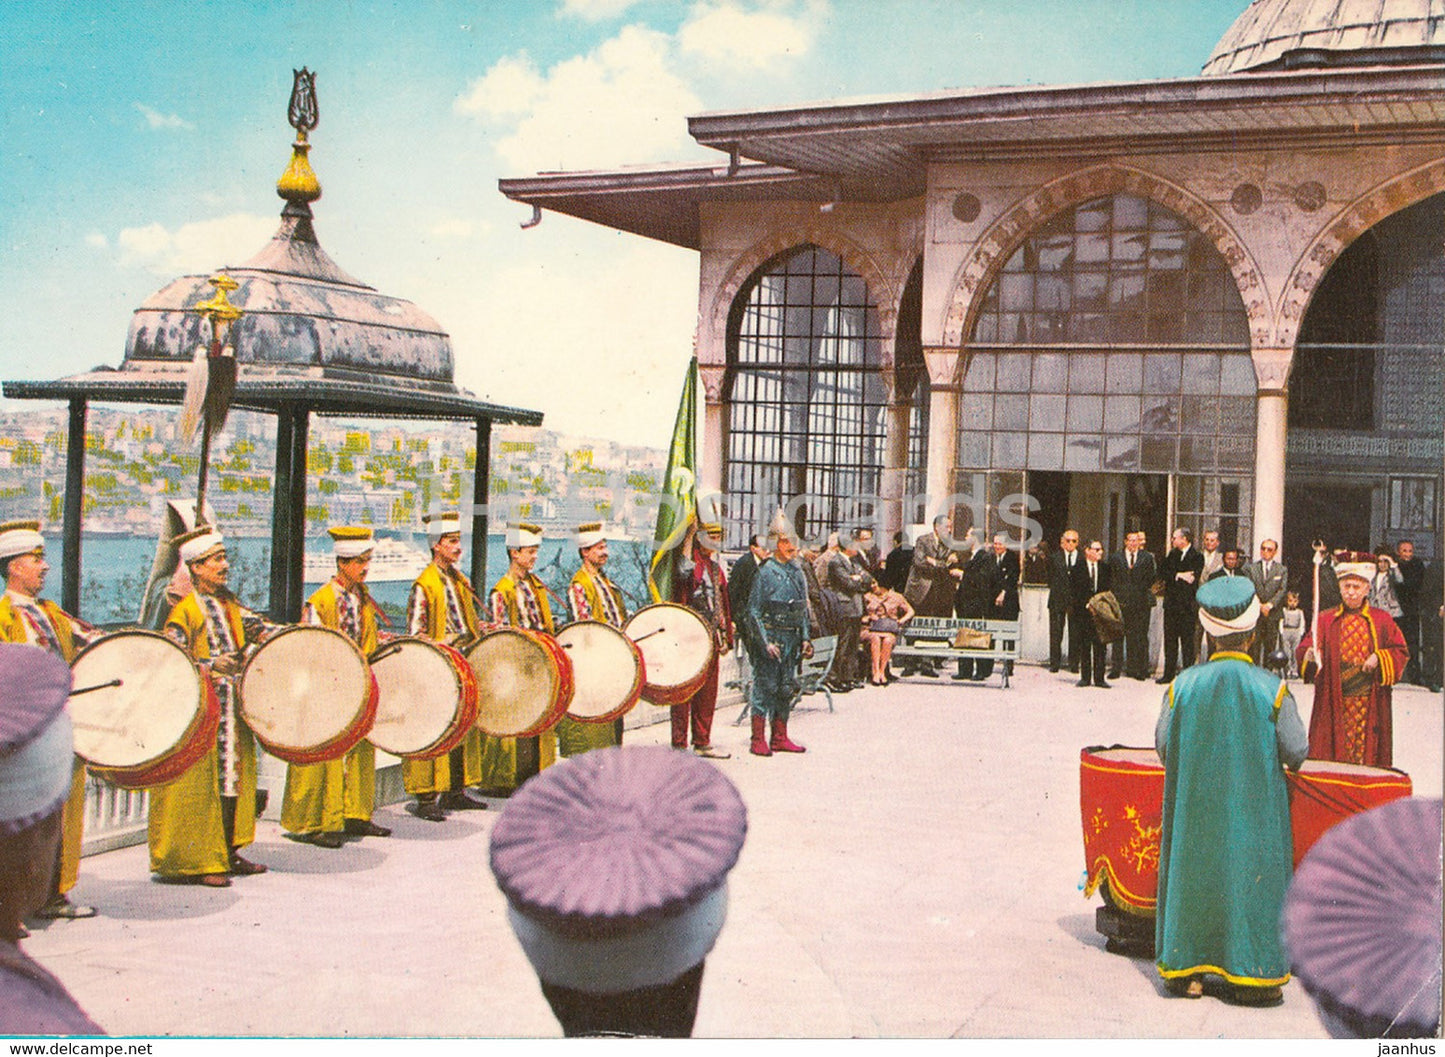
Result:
[[393, 560]]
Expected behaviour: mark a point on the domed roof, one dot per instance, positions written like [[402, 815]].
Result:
[[1305, 34]]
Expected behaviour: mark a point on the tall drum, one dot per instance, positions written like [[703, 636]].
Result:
[[608, 669], [1121, 802], [677, 649], [1324, 792], [142, 710], [524, 682], [308, 694], [427, 698]]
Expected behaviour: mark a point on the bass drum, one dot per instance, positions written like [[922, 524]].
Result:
[[427, 698], [608, 668], [677, 650], [308, 694], [524, 682], [151, 715]]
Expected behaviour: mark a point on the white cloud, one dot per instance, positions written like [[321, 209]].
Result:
[[194, 247], [155, 119], [624, 103], [596, 10], [734, 34], [97, 240]]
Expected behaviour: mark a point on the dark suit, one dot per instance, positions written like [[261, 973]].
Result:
[[1181, 612], [1412, 584], [1091, 650], [1270, 591], [1061, 605], [740, 586], [1132, 589]]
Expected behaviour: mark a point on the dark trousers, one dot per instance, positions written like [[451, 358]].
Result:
[[1180, 647], [1092, 653], [1131, 653], [697, 712], [1410, 627], [845, 661], [1057, 619]]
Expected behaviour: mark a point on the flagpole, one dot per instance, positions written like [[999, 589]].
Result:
[[220, 312]]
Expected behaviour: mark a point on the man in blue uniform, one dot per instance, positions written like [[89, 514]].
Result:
[[777, 618], [1225, 850]]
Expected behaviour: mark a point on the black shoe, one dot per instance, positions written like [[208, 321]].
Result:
[[1114, 674], [242, 867], [1082, 682], [1164, 680], [324, 840], [1102, 685], [1074, 669], [960, 676], [1053, 669], [429, 810], [364, 827], [461, 802]]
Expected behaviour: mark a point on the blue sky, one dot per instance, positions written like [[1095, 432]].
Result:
[[142, 141]]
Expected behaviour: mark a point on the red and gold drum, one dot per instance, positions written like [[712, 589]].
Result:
[[308, 694], [142, 710], [608, 669], [677, 650], [524, 682], [1121, 800], [427, 698], [1121, 803], [1325, 792]]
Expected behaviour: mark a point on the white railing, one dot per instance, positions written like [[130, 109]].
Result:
[[114, 817]]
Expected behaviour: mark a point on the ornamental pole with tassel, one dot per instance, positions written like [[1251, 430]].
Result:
[[212, 382]]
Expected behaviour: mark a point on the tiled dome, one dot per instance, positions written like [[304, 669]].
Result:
[[1304, 34]]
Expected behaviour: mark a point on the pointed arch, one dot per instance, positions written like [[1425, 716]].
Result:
[[1349, 224], [1003, 236]]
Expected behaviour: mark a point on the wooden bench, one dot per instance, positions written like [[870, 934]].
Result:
[[931, 638]]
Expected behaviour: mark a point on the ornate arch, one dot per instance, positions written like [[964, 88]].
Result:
[[884, 291], [1005, 234], [1353, 221]]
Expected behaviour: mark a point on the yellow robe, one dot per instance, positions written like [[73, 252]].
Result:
[[187, 836], [499, 755], [320, 797], [72, 816], [574, 738], [422, 777]]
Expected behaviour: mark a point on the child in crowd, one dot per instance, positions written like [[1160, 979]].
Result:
[[1291, 630]]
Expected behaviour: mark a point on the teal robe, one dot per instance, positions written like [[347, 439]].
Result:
[[1226, 849]]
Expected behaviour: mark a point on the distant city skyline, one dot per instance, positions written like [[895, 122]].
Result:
[[143, 141]]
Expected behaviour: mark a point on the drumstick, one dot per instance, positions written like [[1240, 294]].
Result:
[[383, 651], [649, 635], [97, 686]]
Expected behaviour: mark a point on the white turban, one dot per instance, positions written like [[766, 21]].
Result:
[[20, 537], [198, 545], [524, 536], [439, 525]]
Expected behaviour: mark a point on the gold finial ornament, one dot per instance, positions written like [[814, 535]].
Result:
[[219, 308], [298, 183]]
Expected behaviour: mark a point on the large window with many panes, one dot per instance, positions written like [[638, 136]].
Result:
[[807, 403]]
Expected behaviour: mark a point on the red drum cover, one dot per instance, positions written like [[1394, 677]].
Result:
[[1325, 792], [524, 682], [608, 669], [308, 694], [152, 727], [1121, 803], [427, 698], [677, 649]]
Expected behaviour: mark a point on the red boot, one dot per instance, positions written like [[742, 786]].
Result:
[[781, 742], [760, 736]]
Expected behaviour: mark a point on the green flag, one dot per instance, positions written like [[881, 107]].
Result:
[[679, 492]]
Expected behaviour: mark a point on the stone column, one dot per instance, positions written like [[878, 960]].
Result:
[[713, 429], [1271, 368], [942, 425]]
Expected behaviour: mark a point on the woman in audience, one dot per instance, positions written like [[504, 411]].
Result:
[[884, 614]]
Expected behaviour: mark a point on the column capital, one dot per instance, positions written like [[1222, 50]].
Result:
[[942, 363], [1271, 369], [712, 378]]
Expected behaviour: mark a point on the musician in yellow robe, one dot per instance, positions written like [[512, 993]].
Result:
[[592, 596], [326, 802], [443, 608], [27, 619], [200, 821], [518, 600]]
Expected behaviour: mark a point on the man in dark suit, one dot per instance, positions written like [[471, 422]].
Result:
[[1229, 566], [740, 586], [1412, 583], [1004, 571], [1133, 572], [1180, 571], [1061, 600], [1091, 575], [1271, 580]]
